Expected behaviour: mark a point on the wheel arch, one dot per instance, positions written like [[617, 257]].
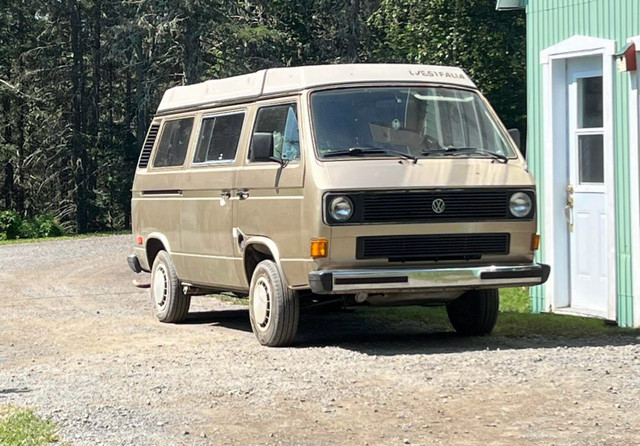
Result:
[[257, 249], [155, 243]]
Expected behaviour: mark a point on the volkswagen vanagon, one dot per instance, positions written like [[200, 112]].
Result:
[[363, 184]]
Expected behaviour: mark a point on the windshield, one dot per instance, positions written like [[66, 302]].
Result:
[[418, 122]]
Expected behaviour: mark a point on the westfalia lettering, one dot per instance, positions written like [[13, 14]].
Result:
[[437, 74]]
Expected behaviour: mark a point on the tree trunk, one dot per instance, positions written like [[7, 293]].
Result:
[[19, 183], [7, 188], [94, 118], [94, 122], [8, 184], [141, 96], [192, 67], [78, 150], [354, 31]]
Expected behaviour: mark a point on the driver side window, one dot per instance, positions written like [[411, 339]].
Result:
[[282, 122]]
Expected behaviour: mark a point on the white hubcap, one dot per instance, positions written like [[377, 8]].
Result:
[[261, 303], [160, 286]]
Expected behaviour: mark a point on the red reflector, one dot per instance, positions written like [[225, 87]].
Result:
[[139, 240]]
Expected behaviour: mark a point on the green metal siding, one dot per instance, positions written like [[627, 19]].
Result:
[[548, 23]]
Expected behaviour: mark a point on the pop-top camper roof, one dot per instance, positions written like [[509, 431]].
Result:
[[275, 81]]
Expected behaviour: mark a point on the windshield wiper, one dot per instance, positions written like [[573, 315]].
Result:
[[363, 151], [457, 151]]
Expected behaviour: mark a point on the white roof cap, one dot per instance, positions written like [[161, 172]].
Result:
[[283, 80]]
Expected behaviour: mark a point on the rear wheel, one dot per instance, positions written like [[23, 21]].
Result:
[[475, 312], [170, 303], [274, 309]]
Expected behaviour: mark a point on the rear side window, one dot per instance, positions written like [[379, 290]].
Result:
[[173, 145], [282, 122], [219, 136]]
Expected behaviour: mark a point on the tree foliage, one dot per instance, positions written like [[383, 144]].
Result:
[[80, 79], [471, 34]]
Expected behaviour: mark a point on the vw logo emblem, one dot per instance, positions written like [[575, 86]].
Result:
[[438, 205]]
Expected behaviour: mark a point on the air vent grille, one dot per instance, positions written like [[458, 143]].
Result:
[[148, 146], [432, 247]]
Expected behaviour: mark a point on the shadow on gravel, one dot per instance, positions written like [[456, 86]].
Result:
[[14, 390], [375, 334], [380, 336], [237, 319]]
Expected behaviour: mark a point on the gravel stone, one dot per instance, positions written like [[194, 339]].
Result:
[[81, 344]]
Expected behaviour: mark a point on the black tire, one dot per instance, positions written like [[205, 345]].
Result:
[[475, 312], [171, 304], [274, 309]]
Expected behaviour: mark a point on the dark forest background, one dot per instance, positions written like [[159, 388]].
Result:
[[80, 79]]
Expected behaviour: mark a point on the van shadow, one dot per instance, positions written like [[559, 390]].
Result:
[[373, 333], [235, 319]]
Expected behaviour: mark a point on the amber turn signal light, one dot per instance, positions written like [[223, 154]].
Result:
[[319, 248], [535, 242], [139, 240]]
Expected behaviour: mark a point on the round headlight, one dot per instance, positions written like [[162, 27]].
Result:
[[520, 204], [340, 209]]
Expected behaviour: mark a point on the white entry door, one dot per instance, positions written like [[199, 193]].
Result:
[[586, 191]]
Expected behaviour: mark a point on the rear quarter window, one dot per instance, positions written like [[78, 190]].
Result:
[[174, 142]]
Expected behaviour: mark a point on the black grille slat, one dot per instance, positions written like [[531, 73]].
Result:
[[148, 146], [432, 247], [415, 206]]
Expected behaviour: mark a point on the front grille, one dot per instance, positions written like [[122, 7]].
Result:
[[417, 206], [148, 146], [432, 247]]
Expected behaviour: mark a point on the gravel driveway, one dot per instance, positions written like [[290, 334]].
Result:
[[79, 342]]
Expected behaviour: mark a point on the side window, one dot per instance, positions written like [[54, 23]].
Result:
[[172, 148], [219, 136], [282, 122]]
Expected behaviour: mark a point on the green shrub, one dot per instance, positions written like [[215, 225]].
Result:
[[10, 225], [46, 225], [28, 229], [13, 227]]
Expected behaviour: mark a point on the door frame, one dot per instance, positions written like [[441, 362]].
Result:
[[634, 160], [555, 130]]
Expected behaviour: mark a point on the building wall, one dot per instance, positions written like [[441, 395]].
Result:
[[548, 23]]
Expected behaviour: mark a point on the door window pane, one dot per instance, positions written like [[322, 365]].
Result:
[[282, 122], [219, 136], [172, 148], [590, 102], [591, 161]]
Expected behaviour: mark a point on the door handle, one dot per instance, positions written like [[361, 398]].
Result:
[[225, 194], [568, 214], [568, 209], [243, 194]]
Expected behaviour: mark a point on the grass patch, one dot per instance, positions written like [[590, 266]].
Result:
[[64, 237], [515, 319], [23, 427], [242, 302], [515, 300]]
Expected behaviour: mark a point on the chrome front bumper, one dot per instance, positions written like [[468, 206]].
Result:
[[398, 280]]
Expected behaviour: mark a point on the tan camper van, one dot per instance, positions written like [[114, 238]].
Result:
[[361, 184]]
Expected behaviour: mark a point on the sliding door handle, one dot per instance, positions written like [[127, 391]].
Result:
[[243, 194]]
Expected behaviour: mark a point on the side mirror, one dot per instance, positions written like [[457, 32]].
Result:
[[515, 135], [262, 147]]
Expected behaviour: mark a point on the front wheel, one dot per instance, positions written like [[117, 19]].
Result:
[[475, 312], [274, 309], [170, 303]]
